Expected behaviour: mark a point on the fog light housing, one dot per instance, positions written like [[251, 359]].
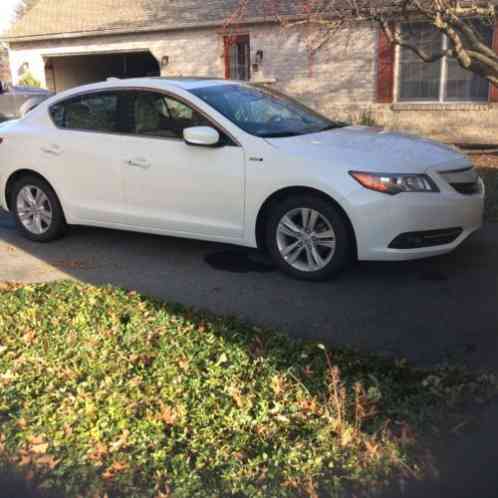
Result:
[[429, 238]]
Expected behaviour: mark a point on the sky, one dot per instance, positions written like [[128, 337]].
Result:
[[6, 9]]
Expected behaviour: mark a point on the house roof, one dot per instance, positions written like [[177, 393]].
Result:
[[73, 18], [63, 18]]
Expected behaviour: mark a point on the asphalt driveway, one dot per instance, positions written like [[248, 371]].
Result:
[[427, 311]]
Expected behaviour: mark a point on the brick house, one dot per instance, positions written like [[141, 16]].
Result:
[[64, 43]]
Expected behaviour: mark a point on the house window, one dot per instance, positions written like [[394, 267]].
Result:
[[443, 80], [238, 57]]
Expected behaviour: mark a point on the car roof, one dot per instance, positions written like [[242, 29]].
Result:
[[184, 83], [190, 83]]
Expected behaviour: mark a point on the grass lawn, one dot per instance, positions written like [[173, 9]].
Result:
[[107, 393]]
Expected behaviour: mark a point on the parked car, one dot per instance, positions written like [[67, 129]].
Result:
[[16, 101], [230, 162]]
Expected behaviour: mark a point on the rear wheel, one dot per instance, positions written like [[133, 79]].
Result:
[[37, 210], [308, 238]]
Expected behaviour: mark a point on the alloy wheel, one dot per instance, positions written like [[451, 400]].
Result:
[[34, 210], [306, 239]]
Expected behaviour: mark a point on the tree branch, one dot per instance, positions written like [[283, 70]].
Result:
[[395, 38]]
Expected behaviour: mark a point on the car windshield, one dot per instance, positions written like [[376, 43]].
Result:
[[262, 112]]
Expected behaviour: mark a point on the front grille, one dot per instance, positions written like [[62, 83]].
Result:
[[429, 238], [467, 188]]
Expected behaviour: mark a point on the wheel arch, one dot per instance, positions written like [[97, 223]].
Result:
[[16, 175], [285, 192]]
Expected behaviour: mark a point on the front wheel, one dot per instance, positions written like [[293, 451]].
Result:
[[308, 238]]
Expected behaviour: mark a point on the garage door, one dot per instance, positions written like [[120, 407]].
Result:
[[73, 70]]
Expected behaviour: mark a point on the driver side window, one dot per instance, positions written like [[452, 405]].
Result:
[[262, 112], [157, 115]]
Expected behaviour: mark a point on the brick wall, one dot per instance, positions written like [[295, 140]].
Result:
[[340, 81], [342, 71]]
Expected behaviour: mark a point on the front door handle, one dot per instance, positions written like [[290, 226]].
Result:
[[138, 163], [53, 150]]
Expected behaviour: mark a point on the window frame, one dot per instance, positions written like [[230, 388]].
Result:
[[231, 140], [443, 80]]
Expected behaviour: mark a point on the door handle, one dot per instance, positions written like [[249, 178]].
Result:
[[138, 163], [53, 150]]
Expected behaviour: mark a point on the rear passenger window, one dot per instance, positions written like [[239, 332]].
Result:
[[97, 112]]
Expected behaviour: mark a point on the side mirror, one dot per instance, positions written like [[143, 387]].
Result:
[[203, 136]]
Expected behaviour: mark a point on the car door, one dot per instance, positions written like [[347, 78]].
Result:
[[174, 187], [82, 155]]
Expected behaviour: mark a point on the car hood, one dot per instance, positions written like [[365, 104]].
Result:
[[373, 149], [7, 123]]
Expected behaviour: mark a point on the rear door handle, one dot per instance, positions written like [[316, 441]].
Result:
[[138, 163], [53, 150]]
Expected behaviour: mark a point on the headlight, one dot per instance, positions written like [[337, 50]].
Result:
[[394, 183]]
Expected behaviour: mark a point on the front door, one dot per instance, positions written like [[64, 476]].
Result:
[[174, 187]]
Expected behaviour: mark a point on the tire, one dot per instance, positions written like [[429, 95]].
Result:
[[42, 221], [315, 253]]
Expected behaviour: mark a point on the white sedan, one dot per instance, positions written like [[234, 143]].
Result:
[[230, 162]]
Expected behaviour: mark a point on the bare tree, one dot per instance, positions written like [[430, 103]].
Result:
[[23, 7], [455, 18]]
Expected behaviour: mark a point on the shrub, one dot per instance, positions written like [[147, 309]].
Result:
[[27, 79]]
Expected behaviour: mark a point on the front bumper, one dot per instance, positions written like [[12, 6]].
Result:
[[379, 219]]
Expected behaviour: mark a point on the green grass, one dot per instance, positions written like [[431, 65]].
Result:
[[105, 391]]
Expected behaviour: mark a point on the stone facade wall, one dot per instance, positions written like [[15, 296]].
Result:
[[339, 81], [455, 123], [196, 52], [452, 123]]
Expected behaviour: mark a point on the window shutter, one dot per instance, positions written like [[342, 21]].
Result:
[[385, 69], [493, 94], [227, 43]]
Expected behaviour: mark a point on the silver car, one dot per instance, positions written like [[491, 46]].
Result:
[[16, 101]]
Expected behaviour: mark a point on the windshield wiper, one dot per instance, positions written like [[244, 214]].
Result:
[[332, 126], [280, 134]]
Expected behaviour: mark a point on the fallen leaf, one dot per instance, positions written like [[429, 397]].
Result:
[[346, 437], [98, 453], [168, 415], [47, 461], [39, 449], [114, 469], [34, 440]]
